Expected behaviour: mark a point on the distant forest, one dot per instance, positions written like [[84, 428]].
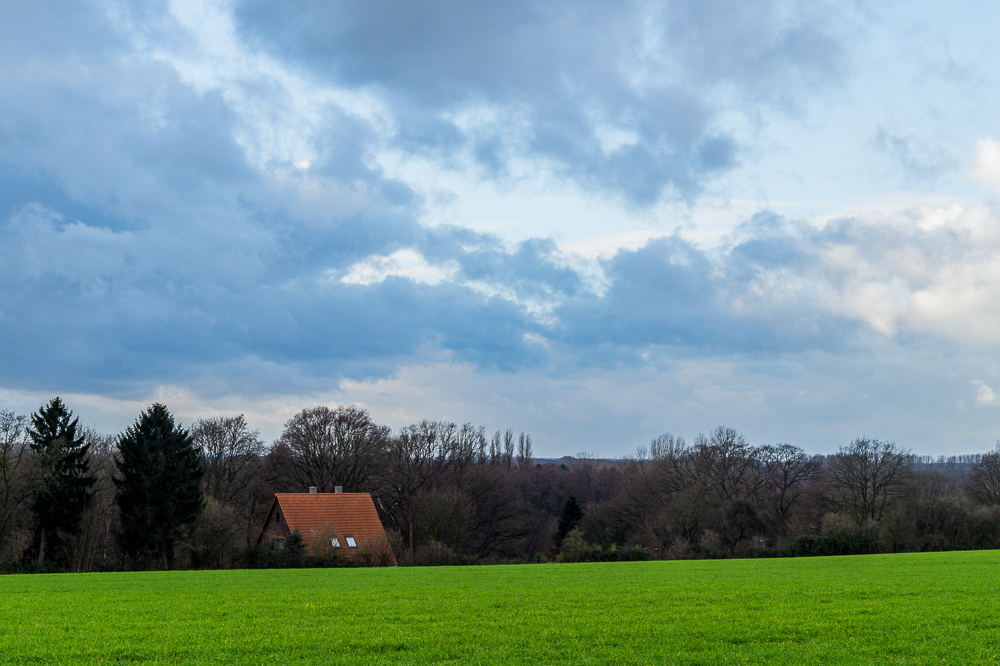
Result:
[[161, 496]]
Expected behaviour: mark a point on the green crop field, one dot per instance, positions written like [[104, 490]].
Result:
[[886, 609]]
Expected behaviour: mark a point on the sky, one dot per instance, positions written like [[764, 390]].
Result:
[[595, 222]]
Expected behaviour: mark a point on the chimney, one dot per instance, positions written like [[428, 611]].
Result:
[[312, 490], [338, 489]]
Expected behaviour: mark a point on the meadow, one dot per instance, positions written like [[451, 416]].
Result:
[[933, 608]]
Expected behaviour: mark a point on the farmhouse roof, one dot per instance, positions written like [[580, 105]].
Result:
[[350, 513]]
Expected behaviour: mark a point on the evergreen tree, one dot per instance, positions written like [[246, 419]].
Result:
[[294, 543], [65, 486], [158, 490], [569, 517]]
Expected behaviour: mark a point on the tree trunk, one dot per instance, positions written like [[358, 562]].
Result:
[[41, 548]]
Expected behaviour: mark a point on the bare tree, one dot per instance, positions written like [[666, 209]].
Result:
[[444, 516], [683, 480], [15, 486], [95, 546], [689, 509], [480, 443], [508, 448], [217, 536], [232, 456], [932, 484], [717, 482], [665, 446], [497, 516], [524, 451], [414, 460], [788, 472], [633, 513], [496, 451], [230, 451], [734, 465], [467, 445], [325, 447], [673, 464], [868, 475], [983, 481]]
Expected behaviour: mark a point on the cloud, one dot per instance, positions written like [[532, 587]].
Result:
[[786, 285], [160, 224], [142, 305], [919, 159], [815, 400], [196, 202], [984, 394], [406, 263], [986, 165], [623, 97]]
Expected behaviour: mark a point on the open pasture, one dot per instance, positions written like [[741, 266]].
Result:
[[887, 609]]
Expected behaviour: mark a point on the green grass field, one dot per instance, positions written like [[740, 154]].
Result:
[[886, 609]]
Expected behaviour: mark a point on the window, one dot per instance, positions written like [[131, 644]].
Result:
[[335, 542], [351, 543], [278, 544]]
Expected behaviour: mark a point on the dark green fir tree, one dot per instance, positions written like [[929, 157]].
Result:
[[66, 484], [158, 487], [569, 517], [294, 543]]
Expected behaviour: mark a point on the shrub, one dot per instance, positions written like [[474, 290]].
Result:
[[321, 545], [838, 526], [860, 544], [710, 546], [214, 539], [376, 551], [633, 554], [897, 533], [397, 543], [433, 554], [679, 549], [575, 549]]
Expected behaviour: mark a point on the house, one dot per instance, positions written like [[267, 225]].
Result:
[[347, 523]]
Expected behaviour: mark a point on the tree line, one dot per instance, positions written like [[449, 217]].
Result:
[[161, 496], [67, 492]]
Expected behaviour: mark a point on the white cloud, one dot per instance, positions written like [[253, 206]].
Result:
[[984, 394], [402, 263], [111, 414], [932, 271], [281, 112], [986, 165]]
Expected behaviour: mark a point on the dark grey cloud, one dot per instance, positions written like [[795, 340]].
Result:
[[95, 307], [142, 241], [622, 96], [676, 299], [530, 270]]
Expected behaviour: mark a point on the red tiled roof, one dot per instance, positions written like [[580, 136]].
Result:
[[353, 514], [350, 514]]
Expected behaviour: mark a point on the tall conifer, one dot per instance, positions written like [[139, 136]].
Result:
[[65, 488], [159, 484], [569, 517]]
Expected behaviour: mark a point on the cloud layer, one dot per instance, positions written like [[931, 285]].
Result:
[[142, 306], [634, 98], [199, 195]]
